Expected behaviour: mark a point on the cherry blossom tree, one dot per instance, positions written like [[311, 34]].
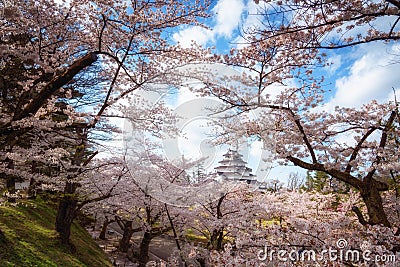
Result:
[[154, 217], [48, 44], [303, 226], [217, 219], [135, 209], [328, 24], [280, 82], [97, 181]]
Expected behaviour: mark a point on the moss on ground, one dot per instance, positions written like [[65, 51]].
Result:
[[28, 238]]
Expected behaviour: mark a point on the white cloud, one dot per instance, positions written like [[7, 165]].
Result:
[[252, 17], [194, 141], [185, 95], [228, 16], [371, 76], [197, 34]]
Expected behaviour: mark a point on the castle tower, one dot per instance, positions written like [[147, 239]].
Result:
[[233, 167]]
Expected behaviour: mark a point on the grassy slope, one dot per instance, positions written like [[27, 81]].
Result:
[[30, 239]]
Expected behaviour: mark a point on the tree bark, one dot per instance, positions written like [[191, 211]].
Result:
[[66, 212], [10, 184], [359, 214], [373, 201], [124, 243], [220, 240], [103, 231], [32, 188], [10, 179], [171, 222], [65, 217], [216, 239], [144, 249]]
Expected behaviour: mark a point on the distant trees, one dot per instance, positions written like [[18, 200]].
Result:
[[198, 173], [317, 181], [295, 181], [321, 180], [273, 185]]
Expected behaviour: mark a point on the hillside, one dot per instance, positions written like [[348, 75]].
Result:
[[29, 239]]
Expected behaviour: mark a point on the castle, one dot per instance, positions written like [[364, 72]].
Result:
[[234, 168]]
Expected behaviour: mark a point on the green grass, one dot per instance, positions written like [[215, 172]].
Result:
[[29, 239], [191, 236]]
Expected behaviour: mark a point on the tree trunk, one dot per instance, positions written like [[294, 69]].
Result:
[[65, 217], [220, 240], [66, 213], [216, 239], [171, 222], [10, 184], [10, 180], [32, 188], [103, 231], [126, 237], [373, 202], [144, 249], [95, 222]]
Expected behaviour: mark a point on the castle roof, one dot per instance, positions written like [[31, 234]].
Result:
[[233, 167]]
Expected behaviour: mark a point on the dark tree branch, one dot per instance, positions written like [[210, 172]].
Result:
[[54, 85], [343, 176], [382, 144], [358, 148], [360, 217]]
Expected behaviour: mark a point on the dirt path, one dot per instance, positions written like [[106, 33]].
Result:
[[161, 248]]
